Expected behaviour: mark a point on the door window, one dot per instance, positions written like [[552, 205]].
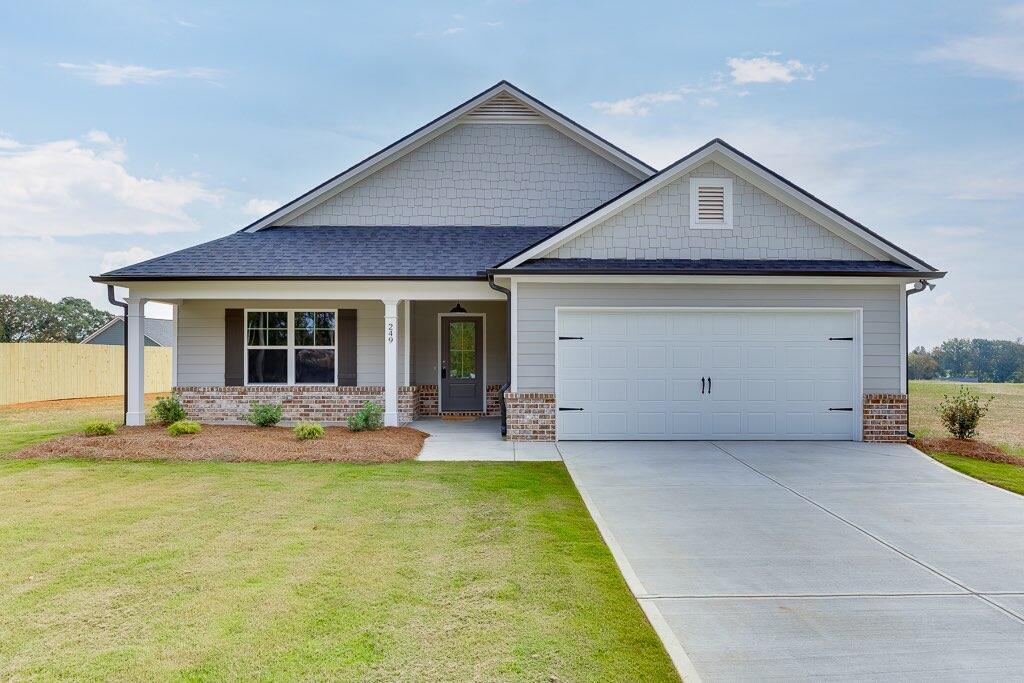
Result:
[[462, 350]]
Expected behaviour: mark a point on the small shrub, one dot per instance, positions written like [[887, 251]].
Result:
[[367, 418], [184, 427], [308, 430], [264, 414], [168, 410], [962, 412], [99, 428]]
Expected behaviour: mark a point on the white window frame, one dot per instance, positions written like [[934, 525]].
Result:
[[695, 222], [290, 348]]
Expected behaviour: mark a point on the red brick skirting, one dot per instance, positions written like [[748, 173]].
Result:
[[429, 401], [885, 418], [531, 417], [329, 405]]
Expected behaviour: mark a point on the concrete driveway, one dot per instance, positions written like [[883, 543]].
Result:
[[792, 560]]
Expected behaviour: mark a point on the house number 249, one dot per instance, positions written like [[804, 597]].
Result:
[[391, 333]]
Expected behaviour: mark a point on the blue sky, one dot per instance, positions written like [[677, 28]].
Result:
[[133, 129]]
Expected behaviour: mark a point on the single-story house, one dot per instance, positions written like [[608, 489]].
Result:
[[158, 332], [503, 259]]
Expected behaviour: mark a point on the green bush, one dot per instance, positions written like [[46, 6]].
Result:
[[99, 428], [962, 412], [184, 427], [168, 410], [264, 414], [368, 418], [308, 430]]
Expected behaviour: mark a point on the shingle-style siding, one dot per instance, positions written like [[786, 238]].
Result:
[[201, 338], [658, 227], [480, 174], [537, 302]]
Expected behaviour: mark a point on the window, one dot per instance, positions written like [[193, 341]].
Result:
[[711, 203], [290, 347]]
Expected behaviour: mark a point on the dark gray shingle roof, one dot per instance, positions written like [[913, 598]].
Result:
[[326, 252], [713, 266]]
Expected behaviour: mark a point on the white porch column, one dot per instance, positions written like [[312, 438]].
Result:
[[136, 416], [390, 362]]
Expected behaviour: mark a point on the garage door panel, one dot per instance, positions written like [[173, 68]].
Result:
[[773, 374]]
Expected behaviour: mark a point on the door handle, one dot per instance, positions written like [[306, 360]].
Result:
[[444, 373], [709, 386], [701, 385]]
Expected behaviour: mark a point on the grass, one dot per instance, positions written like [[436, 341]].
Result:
[[24, 424], [1003, 426], [409, 571]]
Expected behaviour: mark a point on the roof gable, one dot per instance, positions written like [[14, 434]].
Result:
[[760, 177], [502, 103]]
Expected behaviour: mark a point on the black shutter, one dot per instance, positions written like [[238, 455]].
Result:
[[234, 347], [346, 338]]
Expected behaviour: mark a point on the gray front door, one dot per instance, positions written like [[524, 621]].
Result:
[[462, 377]]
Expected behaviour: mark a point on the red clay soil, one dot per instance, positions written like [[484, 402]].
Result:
[[978, 450], [235, 444]]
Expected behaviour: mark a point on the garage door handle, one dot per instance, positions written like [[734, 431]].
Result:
[[562, 338], [701, 385], [580, 409], [709, 386], [842, 410], [840, 338]]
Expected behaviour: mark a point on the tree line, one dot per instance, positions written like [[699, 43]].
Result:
[[987, 360], [34, 319]]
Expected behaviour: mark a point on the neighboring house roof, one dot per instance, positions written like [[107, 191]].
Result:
[[586, 266], [754, 172], [332, 252], [158, 331], [477, 106]]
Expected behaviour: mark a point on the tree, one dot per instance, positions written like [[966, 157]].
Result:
[[34, 319], [921, 365]]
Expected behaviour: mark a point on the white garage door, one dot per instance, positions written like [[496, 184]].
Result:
[[693, 374]]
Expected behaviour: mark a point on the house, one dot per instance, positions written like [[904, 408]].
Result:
[[159, 332], [505, 258]]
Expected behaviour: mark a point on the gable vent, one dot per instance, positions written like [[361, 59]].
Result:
[[503, 107], [711, 204]]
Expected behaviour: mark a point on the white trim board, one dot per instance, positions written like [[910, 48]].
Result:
[[736, 163], [438, 126]]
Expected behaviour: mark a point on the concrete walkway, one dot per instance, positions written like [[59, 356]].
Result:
[[477, 439], [805, 561]]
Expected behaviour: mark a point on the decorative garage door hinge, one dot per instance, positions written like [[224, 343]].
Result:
[[563, 338], [571, 409], [840, 338], [841, 410]]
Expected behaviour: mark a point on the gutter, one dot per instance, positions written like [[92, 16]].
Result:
[[122, 305], [715, 271], [919, 286], [508, 350]]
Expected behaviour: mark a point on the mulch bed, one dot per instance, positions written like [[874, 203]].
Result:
[[978, 450], [231, 443]]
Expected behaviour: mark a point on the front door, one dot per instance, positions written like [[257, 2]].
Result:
[[462, 377]]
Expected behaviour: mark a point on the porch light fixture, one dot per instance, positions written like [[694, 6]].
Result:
[[458, 309]]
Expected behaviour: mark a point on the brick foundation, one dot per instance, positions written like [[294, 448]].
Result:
[[531, 417], [328, 405], [429, 401], [885, 418]]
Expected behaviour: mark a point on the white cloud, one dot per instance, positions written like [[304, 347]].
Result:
[[122, 74], [8, 143], [452, 31], [112, 260], [99, 137], [493, 24], [260, 207], [935, 317], [69, 187], [1000, 51], [637, 105], [767, 70]]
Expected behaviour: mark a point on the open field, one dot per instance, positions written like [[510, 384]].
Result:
[[1003, 426], [407, 571]]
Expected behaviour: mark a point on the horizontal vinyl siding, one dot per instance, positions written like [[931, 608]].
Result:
[[537, 302], [201, 338]]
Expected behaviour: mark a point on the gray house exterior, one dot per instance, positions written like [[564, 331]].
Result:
[[505, 260], [159, 332]]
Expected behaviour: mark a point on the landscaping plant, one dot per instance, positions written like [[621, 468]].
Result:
[[168, 410], [264, 414], [367, 418], [308, 430], [99, 428], [962, 412], [184, 427]]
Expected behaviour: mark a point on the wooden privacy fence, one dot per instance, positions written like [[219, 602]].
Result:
[[44, 372]]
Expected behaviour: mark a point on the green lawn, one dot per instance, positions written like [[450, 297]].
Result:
[[1010, 477], [210, 571]]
